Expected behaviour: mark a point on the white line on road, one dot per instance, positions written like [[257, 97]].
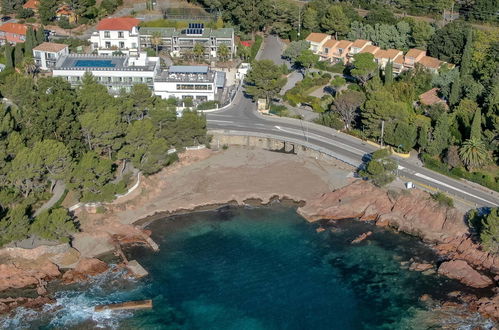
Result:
[[453, 188], [220, 121]]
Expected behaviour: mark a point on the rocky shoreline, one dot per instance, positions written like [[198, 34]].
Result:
[[412, 212]]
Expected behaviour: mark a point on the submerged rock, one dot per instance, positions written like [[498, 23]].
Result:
[[460, 270]]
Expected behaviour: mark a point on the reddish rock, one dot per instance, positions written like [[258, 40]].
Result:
[[38, 302], [357, 200], [362, 237], [18, 276], [460, 270], [425, 297], [420, 267], [86, 267], [489, 306]]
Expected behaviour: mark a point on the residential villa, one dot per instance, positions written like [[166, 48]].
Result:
[[47, 54], [358, 46], [65, 11], [116, 35], [431, 97], [181, 42], [13, 33], [343, 51], [32, 4], [317, 41]]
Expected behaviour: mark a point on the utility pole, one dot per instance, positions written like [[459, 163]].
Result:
[[382, 131], [299, 20]]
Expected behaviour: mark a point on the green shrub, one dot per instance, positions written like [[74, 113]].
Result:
[[338, 81], [443, 199], [208, 105], [355, 87], [255, 47], [330, 119], [279, 110], [325, 66]]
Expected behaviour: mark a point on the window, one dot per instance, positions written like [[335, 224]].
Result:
[[121, 34], [134, 45], [107, 34], [96, 45], [108, 44], [122, 44]]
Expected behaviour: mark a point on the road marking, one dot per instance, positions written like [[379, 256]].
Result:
[[221, 121], [453, 188], [320, 138]]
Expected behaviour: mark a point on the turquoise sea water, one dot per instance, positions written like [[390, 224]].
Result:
[[261, 268]]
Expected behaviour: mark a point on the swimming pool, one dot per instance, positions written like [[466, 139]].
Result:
[[94, 64]]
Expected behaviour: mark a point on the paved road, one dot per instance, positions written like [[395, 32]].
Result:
[[243, 119]]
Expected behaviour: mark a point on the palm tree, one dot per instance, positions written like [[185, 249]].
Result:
[[223, 52], [198, 50], [474, 153], [156, 40], [29, 66]]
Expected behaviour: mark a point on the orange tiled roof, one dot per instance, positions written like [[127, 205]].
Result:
[[344, 44], [430, 62], [359, 43], [14, 28], [118, 23], [317, 37], [414, 53], [399, 59], [430, 97], [31, 4], [330, 43], [50, 47], [370, 49]]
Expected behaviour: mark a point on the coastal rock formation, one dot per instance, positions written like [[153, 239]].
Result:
[[86, 267], [460, 270], [357, 200], [20, 275], [413, 212], [362, 237]]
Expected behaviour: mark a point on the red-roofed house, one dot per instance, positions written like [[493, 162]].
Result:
[[66, 12], [116, 34], [357, 46], [340, 51], [431, 97], [32, 4], [383, 56], [412, 57], [13, 33], [317, 41]]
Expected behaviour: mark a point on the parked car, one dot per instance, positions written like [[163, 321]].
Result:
[[5, 18]]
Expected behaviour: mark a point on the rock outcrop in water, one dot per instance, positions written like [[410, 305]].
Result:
[[86, 267], [460, 270], [413, 212]]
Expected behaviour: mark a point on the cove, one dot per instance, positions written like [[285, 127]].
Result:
[[259, 268]]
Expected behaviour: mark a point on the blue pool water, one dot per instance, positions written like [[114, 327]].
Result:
[[94, 64], [263, 268]]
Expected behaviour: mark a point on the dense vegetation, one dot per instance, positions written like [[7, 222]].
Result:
[[85, 10], [83, 137]]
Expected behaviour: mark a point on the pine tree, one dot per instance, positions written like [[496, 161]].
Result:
[[476, 125], [18, 55], [8, 56], [389, 73]]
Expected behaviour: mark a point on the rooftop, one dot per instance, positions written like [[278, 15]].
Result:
[[359, 43], [430, 62], [14, 28], [31, 4], [170, 32], [344, 44], [185, 76], [370, 49], [317, 37], [430, 97], [87, 62], [415, 53], [389, 53], [188, 69], [330, 43], [50, 47], [118, 24]]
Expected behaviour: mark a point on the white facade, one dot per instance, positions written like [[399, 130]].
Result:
[[195, 82], [106, 42], [115, 72], [46, 57]]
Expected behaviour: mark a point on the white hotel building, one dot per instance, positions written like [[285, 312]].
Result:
[[196, 82], [115, 72], [115, 35]]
